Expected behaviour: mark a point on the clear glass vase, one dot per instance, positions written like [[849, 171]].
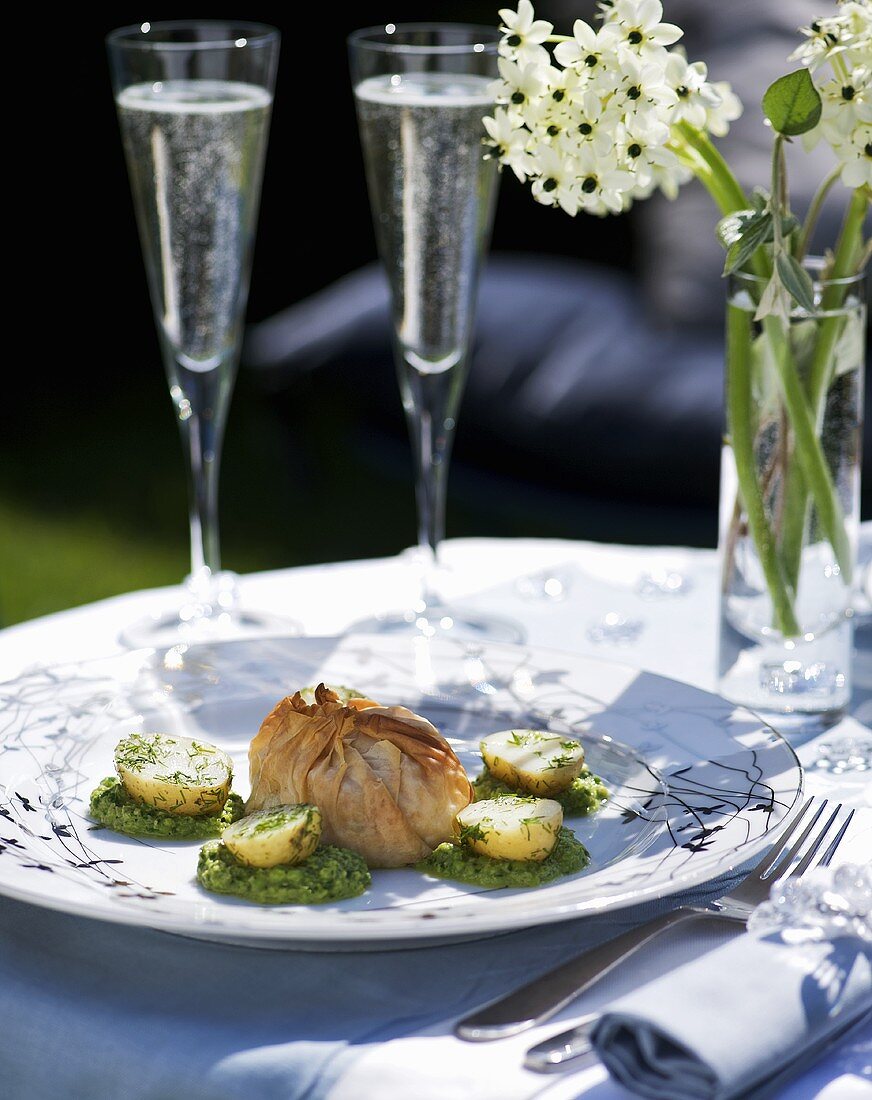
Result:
[[790, 492]]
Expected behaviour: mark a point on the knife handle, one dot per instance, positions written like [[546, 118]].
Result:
[[543, 997], [555, 1054]]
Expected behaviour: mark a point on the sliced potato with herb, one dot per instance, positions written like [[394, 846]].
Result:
[[511, 827], [177, 774], [533, 761], [280, 835]]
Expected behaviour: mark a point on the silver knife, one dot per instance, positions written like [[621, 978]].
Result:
[[542, 998], [554, 1055]]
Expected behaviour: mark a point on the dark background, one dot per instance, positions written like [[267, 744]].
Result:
[[92, 496]]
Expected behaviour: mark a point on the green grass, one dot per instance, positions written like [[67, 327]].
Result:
[[55, 561], [92, 499], [92, 493]]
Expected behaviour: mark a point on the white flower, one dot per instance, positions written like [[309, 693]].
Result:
[[635, 25], [668, 178], [848, 34], [641, 147], [856, 32], [521, 84], [643, 88], [603, 186], [524, 35], [695, 95], [584, 52], [557, 183], [509, 143], [824, 39], [593, 127], [642, 150], [846, 103], [595, 122], [855, 156], [718, 119], [563, 85], [546, 120]]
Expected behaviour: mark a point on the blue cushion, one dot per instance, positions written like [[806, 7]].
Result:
[[569, 380]]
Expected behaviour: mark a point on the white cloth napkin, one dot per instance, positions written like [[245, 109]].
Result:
[[763, 1002]]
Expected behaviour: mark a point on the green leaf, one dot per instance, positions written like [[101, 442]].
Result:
[[764, 381], [774, 301], [742, 233], [759, 199], [796, 280], [730, 228], [742, 236], [848, 352], [793, 104]]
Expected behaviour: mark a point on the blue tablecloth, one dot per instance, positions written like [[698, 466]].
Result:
[[98, 1011]]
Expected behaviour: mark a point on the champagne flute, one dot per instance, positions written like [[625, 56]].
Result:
[[421, 92], [194, 102]]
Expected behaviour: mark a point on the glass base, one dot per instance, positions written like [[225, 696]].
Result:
[[794, 684], [207, 611], [443, 622]]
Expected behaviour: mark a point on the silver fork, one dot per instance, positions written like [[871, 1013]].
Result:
[[542, 998]]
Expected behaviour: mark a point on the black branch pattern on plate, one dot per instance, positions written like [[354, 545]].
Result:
[[690, 811]]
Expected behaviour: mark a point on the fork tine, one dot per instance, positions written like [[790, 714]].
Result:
[[785, 858], [836, 841], [806, 860], [764, 867]]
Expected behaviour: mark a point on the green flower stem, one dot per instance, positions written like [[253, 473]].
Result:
[[813, 214], [740, 413], [729, 195], [807, 449], [847, 259], [727, 183], [848, 253], [797, 512], [719, 181]]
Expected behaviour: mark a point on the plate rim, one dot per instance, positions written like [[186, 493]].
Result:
[[446, 928]]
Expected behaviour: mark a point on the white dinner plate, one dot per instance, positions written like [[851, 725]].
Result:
[[697, 785]]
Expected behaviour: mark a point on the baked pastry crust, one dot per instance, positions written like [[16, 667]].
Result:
[[387, 783]]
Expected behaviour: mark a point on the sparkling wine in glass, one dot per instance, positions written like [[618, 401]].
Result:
[[194, 102], [421, 93]]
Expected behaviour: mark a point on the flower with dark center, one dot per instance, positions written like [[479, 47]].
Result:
[[590, 60], [585, 128], [635, 150], [589, 185], [549, 185], [513, 40], [633, 92], [518, 98], [634, 38], [557, 95], [848, 92]]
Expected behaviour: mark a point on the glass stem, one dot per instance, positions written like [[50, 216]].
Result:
[[430, 400], [201, 400]]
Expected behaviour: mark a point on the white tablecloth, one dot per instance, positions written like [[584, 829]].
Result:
[[654, 608]]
